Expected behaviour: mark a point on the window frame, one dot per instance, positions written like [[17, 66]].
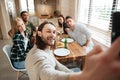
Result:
[[103, 36], [27, 6]]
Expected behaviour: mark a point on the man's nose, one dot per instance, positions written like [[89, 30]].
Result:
[[68, 22], [52, 34]]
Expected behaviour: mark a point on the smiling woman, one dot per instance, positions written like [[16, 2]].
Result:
[[21, 44]]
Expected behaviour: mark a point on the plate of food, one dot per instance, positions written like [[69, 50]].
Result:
[[69, 40], [61, 52], [60, 44]]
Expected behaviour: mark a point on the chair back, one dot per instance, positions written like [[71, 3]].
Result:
[[7, 51]]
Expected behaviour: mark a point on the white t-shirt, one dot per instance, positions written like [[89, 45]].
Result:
[[81, 34], [26, 42]]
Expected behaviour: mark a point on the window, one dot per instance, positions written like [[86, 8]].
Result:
[[23, 5], [97, 15], [100, 14], [27, 5], [118, 5], [83, 9], [31, 6]]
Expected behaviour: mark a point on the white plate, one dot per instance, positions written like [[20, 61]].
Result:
[[68, 40], [61, 52]]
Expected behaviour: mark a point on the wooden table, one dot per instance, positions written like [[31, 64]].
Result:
[[76, 53]]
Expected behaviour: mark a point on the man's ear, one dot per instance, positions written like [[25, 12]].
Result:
[[39, 33]]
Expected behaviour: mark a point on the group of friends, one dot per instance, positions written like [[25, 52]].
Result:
[[32, 50]]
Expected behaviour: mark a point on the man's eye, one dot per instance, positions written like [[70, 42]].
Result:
[[54, 32], [48, 31]]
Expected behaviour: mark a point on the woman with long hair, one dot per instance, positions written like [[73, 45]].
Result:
[[21, 43]]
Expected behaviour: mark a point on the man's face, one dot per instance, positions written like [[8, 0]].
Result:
[[48, 34], [70, 22], [25, 17]]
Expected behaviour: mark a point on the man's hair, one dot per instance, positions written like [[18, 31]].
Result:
[[23, 13], [68, 17], [61, 16], [39, 41]]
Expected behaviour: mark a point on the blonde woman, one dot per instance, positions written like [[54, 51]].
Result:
[[30, 28], [21, 43]]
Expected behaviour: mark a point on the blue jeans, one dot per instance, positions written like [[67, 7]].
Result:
[[19, 64], [75, 69]]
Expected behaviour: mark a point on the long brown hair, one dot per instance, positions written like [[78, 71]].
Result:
[[60, 25], [39, 41]]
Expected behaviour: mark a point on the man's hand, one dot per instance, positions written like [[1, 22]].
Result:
[[103, 65]]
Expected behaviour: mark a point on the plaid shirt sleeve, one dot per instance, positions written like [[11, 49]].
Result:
[[18, 50]]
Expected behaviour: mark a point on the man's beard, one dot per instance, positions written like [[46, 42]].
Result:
[[25, 20], [47, 42], [50, 44]]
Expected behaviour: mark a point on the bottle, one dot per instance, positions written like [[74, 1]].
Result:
[[65, 43]]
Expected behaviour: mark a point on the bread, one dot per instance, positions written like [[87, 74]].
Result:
[[60, 44]]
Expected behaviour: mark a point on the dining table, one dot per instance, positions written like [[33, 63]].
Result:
[[77, 52]]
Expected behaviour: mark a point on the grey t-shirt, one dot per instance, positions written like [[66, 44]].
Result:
[[81, 33]]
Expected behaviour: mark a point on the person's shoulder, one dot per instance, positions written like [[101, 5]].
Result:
[[17, 37], [30, 23], [34, 56], [81, 25], [17, 34], [36, 51], [65, 24]]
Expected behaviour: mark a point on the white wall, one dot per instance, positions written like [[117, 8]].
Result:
[[5, 21], [50, 7], [64, 4], [68, 7], [73, 9]]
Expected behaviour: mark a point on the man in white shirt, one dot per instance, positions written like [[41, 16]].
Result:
[[80, 33]]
